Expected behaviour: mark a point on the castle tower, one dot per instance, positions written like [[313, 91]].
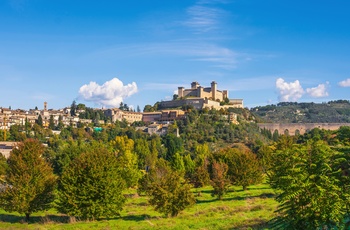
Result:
[[213, 90], [45, 106], [180, 92], [224, 94], [200, 91], [194, 85]]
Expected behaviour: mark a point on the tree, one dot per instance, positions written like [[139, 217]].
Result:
[[307, 185], [170, 194], [60, 125], [65, 154], [39, 121], [51, 123], [243, 166], [127, 159], [3, 167], [29, 180], [219, 180], [73, 108], [91, 186], [148, 108], [178, 163]]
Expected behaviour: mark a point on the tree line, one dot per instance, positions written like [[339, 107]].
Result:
[[84, 173]]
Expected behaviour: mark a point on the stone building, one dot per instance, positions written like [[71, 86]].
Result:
[[196, 90], [202, 97]]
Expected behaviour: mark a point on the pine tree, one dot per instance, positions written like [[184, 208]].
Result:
[[51, 123], [29, 180]]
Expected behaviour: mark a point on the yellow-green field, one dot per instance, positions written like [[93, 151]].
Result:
[[250, 209]]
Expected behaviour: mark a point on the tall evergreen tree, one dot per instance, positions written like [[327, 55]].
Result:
[[51, 123], [73, 108], [39, 121]]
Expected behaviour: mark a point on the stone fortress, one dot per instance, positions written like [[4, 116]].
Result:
[[198, 91], [203, 97]]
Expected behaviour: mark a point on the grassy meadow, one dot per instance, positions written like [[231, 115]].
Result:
[[250, 209]]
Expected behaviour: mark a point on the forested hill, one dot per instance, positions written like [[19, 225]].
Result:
[[293, 112]]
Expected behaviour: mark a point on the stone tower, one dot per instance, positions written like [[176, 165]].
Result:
[[180, 92], [194, 85], [213, 90], [45, 106]]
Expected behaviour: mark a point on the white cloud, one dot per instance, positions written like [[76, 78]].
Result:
[[319, 91], [110, 94], [345, 83], [289, 91]]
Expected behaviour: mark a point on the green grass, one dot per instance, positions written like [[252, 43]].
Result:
[[250, 209]]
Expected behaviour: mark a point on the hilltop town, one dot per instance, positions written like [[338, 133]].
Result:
[[168, 111]]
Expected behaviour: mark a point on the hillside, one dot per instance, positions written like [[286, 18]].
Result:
[[293, 112]]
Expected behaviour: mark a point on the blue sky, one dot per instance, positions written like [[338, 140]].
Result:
[[102, 52]]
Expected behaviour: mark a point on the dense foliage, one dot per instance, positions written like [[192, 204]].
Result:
[[293, 112], [310, 191], [91, 186], [309, 172], [170, 194], [29, 180]]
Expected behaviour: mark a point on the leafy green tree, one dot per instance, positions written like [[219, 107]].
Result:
[[148, 108], [275, 135], [308, 190], [3, 167], [29, 180], [173, 144], [81, 106], [170, 194], [189, 166], [127, 158], [65, 153], [343, 134], [91, 186], [153, 174], [219, 179], [244, 167], [16, 134], [201, 176], [178, 163], [142, 150]]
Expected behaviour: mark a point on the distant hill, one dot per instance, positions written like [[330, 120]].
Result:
[[293, 112]]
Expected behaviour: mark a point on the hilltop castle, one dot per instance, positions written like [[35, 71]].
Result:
[[198, 91], [203, 97]]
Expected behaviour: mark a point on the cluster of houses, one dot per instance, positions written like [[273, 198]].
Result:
[[10, 117], [197, 96]]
